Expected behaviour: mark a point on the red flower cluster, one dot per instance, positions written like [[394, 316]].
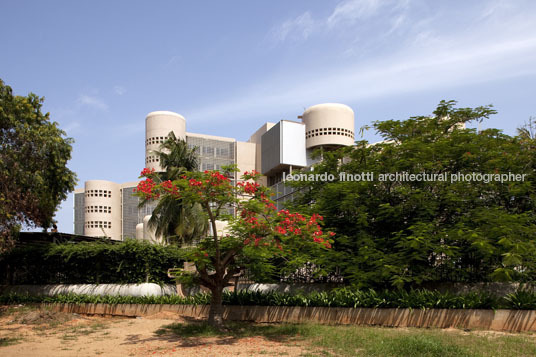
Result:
[[249, 188], [146, 187], [217, 178], [271, 206], [195, 183], [250, 217], [289, 223], [314, 218], [169, 187], [249, 175], [146, 172]]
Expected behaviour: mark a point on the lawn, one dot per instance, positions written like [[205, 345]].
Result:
[[371, 341]]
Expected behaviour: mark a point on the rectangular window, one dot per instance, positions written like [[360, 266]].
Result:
[[208, 166], [222, 152], [208, 150]]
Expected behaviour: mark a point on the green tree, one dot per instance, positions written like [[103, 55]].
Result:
[[402, 232], [34, 178], [258, 232], [176, 221]]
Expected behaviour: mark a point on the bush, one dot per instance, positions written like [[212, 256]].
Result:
[[346, 297], [130, 261]]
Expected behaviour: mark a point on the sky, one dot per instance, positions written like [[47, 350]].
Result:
[[230, 66]]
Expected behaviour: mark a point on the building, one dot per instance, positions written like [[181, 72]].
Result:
[[105, 208]]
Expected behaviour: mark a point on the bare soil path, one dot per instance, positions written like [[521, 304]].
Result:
[[34, 333]]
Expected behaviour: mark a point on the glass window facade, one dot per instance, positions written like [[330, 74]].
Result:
[[79, 199], [129, 204]]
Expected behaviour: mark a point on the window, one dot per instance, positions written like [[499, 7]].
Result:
[[208, 150], [207, 166], [222, 152]]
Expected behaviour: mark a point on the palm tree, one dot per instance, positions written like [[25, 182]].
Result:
[[174, 220]]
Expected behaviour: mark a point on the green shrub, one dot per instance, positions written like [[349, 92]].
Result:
[[522, 300], [346, 297], [130, 261]]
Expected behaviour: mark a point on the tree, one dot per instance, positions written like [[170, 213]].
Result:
[[34, 178], [257, 233], [173, 219], [397, 232]]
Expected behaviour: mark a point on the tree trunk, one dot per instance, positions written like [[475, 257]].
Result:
[[215, 315]]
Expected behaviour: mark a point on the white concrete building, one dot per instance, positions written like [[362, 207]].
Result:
[[104, 208]]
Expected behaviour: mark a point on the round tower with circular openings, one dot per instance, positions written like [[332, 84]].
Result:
[[102, 209], [328, 125], [158, 125]]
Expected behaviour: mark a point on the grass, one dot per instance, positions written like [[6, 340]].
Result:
[[73, 332], [370, 341], [234, 329], [7, 341]]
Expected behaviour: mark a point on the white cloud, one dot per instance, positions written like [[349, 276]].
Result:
[[92, 101], [119, 90], [353, 10], [294, 29], [412, 47], [408, 71], [497, 7]]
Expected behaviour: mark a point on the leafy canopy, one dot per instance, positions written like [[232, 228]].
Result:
[[415, 232], [34, 177], [256, 234]]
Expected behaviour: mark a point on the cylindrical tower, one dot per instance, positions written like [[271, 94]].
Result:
[[157, 127], [139, 231], [329, 124], [150, 233], [102, 209]]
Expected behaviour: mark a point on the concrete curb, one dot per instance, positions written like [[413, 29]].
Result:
[[498, 320]]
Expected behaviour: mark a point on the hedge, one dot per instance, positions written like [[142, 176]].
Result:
[[345, 297], [130, 261]]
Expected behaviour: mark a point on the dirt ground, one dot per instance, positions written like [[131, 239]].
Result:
[[28, 332]]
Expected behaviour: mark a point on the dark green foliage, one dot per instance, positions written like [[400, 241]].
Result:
[[522, 300], [199, 299], [96, 262], [346, 297], [407, 233], [34, 177]]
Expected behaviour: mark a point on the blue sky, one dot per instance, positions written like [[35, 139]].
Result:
[[230, 66]]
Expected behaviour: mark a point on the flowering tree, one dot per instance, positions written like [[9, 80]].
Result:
[[257, 233]]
